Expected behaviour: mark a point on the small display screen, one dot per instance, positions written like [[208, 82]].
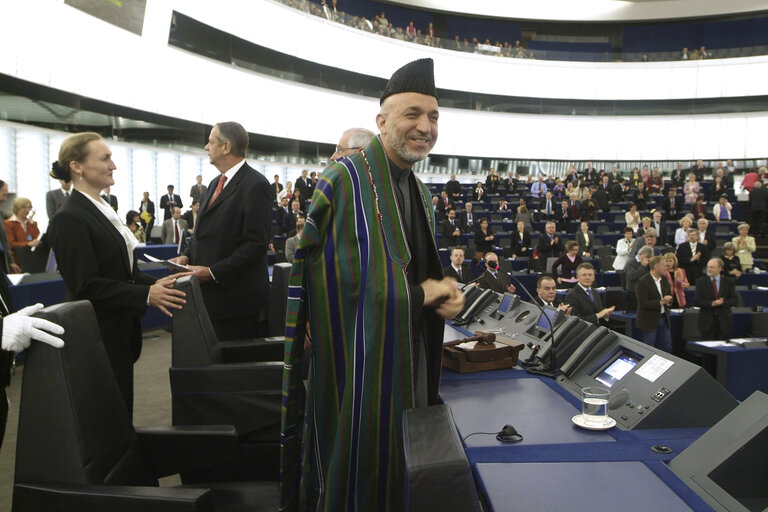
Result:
[[547, 319], [506, 302], [617, 369]]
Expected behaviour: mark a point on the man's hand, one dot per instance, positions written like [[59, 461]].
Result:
[[435, 292], [163, 295], [15, 269], [203, 273], [718, 302], [566, 308], [606, 312], [20, 328], [453, 305], [666, 300], [696, 256], [511, 288], [179, 260], [587, 255]]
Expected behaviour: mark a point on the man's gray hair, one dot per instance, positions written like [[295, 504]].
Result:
[[360, 137], [236, 135], [705, 221], [650, 232], [646, 251]]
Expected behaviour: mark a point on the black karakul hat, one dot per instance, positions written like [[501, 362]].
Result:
[[417, 76]]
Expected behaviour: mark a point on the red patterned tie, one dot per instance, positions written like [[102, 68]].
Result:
[[176, 231], [219, 187], [714, 286]]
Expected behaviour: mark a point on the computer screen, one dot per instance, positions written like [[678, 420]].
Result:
[[618, 369], [506, 302], [548, 319]]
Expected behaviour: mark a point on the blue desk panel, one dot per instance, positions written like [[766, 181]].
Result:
[[742, 371], [580, 487], [538, 412]]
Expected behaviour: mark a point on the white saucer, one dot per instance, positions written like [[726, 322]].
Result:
[[578, 420]]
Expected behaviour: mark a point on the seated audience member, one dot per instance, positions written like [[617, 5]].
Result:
[[719, 187], [493, 277], [457, 269], [681, 233], [546, 295], [699, 170], [588, 208], [707, 235], [731, 262], [510, 182], [293, 242], [677, 178], [453, 188], [758, 207], [677, 279], [586, 302], [479, 193], [617, 191], [601, 195], [298, 196], [645, 223], [622, 249], [525, 216], [722, 210], [468, 221], [547, 207], [22, 231], [586, 240], [671, 205], [520, 241], [133, 222], [549, 244], [451, 230], [283, 208], [745, 246], [715, 295], [558, 191], [656, 183], [632, 217], [564, 267], [539, 188], [691, 189], [692, 255], [287, 192], [635, 178], [483, 238]]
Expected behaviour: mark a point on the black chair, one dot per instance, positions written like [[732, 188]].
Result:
[[691, 330], [78, 451], [226, 383], [278, 299], [758, 324]]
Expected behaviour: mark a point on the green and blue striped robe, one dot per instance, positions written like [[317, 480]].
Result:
[[349, 281]]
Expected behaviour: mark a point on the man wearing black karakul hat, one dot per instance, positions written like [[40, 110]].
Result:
[[367, 280]]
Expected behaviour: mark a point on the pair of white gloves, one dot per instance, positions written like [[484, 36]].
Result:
[[20, 328]]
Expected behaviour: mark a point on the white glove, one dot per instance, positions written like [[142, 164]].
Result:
[[19, 329]]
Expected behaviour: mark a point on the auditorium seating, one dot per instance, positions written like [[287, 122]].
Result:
[[77, 449]]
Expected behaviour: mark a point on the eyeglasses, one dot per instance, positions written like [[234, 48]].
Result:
[[339, 148]]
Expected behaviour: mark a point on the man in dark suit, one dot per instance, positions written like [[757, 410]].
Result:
[[277, 187], [585, 301], [468, 219], [617, 191], [228, 252], [283, 209], [758, 206], [198, 189], [55, 198], [520, 241], [302, 184], [700, 170], [660, 226], [548, 209], [549, 244], [600, 195], [457, 269], [289, 220], [672, 205], [453, 188], [451, 230], [492, 182], [715, 296], [654, 297], [636, 267], [109, 198], [493, 277], [641, 197], [692, 255], [191, 216], [565, 218], [168, 201], [546, 294], [444, 204]]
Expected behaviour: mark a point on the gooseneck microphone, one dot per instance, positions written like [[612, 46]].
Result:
[[547, 368]]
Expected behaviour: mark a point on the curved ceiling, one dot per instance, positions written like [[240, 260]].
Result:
[[590, 10]]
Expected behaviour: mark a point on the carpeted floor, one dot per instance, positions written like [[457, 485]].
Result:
[[152, 404]]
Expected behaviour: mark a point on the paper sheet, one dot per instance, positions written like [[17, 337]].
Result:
[[174, 266], [654, 368]]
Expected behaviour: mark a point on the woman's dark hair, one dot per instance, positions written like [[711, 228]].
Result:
[[130, 216]]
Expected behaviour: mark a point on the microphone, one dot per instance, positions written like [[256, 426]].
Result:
[[534, 350]]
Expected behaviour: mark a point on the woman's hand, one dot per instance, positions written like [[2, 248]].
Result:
[[164, 296]]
